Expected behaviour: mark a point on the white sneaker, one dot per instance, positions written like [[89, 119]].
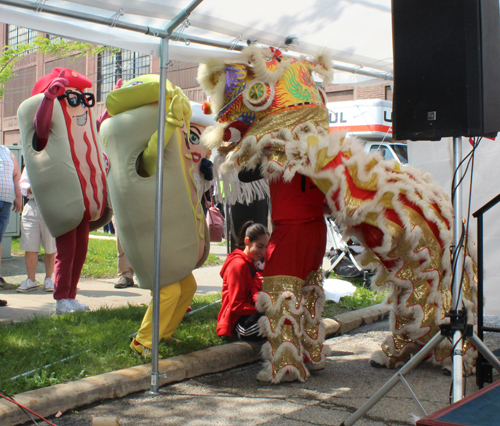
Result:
[[27, 285], [48, 285], [63, 306], [77, 306]]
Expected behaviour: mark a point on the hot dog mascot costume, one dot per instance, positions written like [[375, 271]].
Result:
[[66, 167], [271, 115], [130, 140]]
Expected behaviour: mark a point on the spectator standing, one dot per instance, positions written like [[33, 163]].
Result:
[[34, 233], [125, 270], [10, 194]]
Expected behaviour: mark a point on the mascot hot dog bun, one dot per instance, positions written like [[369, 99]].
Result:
[[128, 137], [67, 175]]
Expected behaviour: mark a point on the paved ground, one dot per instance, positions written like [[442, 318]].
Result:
[[327, 398], [95, 293]]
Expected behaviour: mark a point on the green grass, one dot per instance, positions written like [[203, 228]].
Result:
[[15, 249], [102, 234], [99, 339], [213, 260], [101, 259], [363, 298]]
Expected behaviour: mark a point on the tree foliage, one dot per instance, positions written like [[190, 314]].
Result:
[[58, 48]]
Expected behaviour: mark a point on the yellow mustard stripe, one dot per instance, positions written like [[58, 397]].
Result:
[[197, 211], [188, 187]]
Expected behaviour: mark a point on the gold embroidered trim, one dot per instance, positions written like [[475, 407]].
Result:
[[276, 285]]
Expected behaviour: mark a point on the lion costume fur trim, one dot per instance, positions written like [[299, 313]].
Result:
[[300, 156]]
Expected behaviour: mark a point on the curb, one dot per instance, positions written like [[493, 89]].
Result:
[[62, 397]]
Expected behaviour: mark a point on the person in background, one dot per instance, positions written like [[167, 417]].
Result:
[[10, 193], [242, 283], [34, 232], [125, 269], [109, 228]]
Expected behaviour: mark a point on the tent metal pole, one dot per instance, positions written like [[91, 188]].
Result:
[[182, 16], [155, 32], [357, 70], [23, 4], [160, 149], [155, 377]]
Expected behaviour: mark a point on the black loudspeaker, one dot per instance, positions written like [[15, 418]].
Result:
[[446, 68]]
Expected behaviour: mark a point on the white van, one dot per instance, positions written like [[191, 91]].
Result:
[[367, 119], [370, 120], [389, 151]]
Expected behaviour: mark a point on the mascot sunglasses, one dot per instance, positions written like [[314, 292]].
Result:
[[76, 98]]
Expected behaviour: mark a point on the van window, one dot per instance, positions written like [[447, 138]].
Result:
[[402, 152], [386, 152]]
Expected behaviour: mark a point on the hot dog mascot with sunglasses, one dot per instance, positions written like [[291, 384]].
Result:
[[67, 169]]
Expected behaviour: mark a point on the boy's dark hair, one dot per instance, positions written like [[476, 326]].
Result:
[[252, 231]]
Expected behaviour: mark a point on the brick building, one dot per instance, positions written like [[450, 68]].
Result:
[[104, 69]]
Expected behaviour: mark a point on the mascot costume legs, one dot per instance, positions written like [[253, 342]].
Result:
[[272, 115]]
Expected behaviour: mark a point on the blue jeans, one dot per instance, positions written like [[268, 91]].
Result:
[[5, 209]]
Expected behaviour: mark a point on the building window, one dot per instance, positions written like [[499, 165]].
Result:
[[388, 93], [17, 89], [122, 64], [56, 37], [19, 35]]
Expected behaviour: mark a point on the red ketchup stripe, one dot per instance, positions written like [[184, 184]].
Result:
[[99, 159], [93, 171], [76, 161]]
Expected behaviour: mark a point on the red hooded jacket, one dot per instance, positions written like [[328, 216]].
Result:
[[239, 291]]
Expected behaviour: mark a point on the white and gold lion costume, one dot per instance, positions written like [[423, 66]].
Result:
[[271, 115]]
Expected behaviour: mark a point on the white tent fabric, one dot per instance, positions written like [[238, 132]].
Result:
[[357, 32], [436, 158], [101, 34]]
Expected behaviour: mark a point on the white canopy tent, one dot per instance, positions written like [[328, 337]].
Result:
[[357, 32]]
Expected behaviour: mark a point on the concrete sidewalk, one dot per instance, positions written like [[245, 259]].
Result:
[[95, 293]]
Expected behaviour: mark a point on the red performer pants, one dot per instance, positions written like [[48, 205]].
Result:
[[70, 257], [292, 296]]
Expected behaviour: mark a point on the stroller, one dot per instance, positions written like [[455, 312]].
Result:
[[341, 255]]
